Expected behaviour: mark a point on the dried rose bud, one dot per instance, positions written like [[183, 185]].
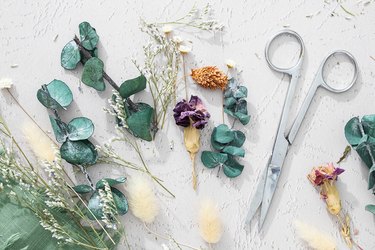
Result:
[[192, 112], [210, 77]]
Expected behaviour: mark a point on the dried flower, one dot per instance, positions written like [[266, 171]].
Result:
[[192, 112], [177, 40], [210, 77], [184, 49], [230, 64], [167, 29], [5, 83], [142, 200], [210, 224], [192, 144], [41, 145], [313, 237], [325, 177], [320, 174]]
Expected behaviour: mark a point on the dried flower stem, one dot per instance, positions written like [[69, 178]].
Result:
[[169, 238], [192, 157], [184, 71]]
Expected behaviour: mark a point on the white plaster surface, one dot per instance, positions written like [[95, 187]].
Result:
[[32, 34]]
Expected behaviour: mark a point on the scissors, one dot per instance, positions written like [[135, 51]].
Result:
[[284, 139]]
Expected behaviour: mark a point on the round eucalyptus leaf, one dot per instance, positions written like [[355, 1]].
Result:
[[111, 182], [370, 208], [47, 101], [93, 74], [368, 123], [95, 207], [232, 168], [222, 134], [132, 86], [239, 139], [120, 201], [60, 129], [240, 92], [229, 112], [79, 152], [229, 102], [243, 118], [88, 36], [363, 149], [241, 107], [213, 159], [353, 131], [139, 122], [235, 151], [80, 128], [70, 55], [55, 95], [216, 145], [82, 189]]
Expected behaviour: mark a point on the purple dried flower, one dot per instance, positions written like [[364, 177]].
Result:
[[192, 111]]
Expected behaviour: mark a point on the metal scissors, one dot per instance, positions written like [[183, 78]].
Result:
[[284, 139]]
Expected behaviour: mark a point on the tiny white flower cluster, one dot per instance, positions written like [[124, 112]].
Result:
[[117, 108], [108, 206], [49, 223]]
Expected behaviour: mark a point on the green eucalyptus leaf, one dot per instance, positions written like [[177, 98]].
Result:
[[370, 208], [229, 112], [70, 55], [368, 123], [60, 129], [243, 118], [111, 182], [132, 86], [230, 102], [235, 151], [232, 168], [55, 95], [222, 134], [241, 107], [239, 139], [353, 131], [95, 206], [93, 74], [89, 38], [213, 159], [82, 189], [120, 201], [139, 122], [240, 92], [371, 177], [363, 151], [216, 145], [79, 152], [80, 128]]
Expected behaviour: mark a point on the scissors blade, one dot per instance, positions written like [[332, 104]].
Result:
[[272, 176], [257, 198]]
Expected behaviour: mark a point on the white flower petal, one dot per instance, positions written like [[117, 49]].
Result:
[[230, 63], [6, 83]]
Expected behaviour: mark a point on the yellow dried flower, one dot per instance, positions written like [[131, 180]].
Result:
[[210, 224], [210, 77], [192, 144], [331, 196]]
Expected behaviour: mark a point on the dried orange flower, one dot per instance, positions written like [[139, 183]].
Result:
[[210, 77]]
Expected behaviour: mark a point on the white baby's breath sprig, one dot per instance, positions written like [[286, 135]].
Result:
[[108, 206], [6, 83]]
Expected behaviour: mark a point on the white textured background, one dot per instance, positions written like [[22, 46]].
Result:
[[27, 32]]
